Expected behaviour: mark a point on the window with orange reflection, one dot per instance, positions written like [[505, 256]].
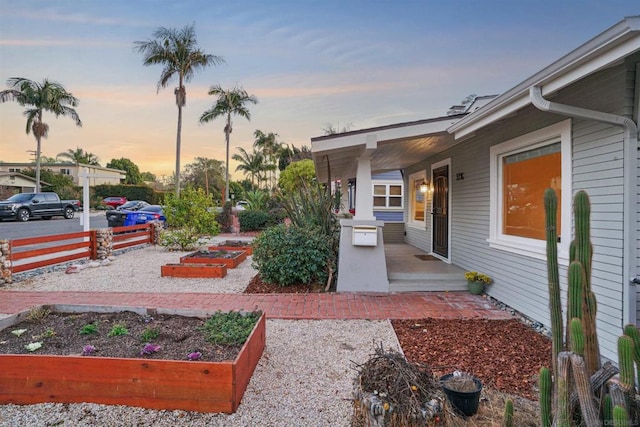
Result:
[[526, 175]]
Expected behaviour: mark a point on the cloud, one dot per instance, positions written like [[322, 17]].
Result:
[[62, 42]]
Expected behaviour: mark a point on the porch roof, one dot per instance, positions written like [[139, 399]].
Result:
[[397, 146]]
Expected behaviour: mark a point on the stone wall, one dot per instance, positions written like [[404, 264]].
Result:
[[104, 243], [5, 262]]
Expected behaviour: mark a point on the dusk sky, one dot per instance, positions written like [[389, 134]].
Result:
[[309, 63]]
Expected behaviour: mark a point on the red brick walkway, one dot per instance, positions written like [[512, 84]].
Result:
[[409, 305]]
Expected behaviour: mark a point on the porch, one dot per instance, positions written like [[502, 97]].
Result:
[[411, 269]]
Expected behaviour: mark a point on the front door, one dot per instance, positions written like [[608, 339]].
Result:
[[440, 211]]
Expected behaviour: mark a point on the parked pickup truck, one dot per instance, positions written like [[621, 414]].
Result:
[[24, 206]]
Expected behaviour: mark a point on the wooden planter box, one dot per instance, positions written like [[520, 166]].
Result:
[[147, 383], [233, 260], [193, 270], [233, 245]]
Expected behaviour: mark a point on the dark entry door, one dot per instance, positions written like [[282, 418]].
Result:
[[440, 204]]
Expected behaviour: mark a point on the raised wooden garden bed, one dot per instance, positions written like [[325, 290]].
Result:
[[193, 270], [148, 383], [233, 245], [231, 259]]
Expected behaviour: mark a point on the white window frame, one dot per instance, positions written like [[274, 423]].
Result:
[[387, 195], [413, 178], [534, 248]]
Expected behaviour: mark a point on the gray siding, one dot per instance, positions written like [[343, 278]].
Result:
[[393, 232], [597, 150]]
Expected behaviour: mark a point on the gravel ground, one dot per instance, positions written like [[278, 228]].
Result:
[[135, 271], [304, 377]]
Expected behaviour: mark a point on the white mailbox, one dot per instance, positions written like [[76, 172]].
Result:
[[365, 236]]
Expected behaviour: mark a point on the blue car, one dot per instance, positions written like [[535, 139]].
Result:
[[146, 214]]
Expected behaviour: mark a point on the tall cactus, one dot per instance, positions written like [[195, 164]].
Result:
[[583, 254], [581, 335], [553, 276], [545, 397]]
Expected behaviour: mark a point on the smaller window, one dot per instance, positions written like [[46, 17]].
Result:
[[65, 171], [387, 196]]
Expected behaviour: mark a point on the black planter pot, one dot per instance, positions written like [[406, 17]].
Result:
[[465, 402]]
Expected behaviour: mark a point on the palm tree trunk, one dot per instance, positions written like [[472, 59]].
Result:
[[38, 147], [177, 177], [226, 172]]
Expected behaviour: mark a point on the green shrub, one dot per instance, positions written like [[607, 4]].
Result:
[[192, 209], [184, 239], [231, 328], [253, 220], [292, 255]]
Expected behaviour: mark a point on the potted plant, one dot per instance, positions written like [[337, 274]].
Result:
[[476, 281]]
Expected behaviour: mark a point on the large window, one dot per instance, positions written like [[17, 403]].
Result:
[[525, 177], [387, 195], [521, 170]]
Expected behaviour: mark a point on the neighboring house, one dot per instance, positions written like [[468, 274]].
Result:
[[571, 126], [14, 182], [97, 174]]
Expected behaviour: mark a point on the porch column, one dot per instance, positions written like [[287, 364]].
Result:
[[364, 194], [362, 266]]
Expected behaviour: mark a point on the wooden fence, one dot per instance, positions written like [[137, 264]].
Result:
[[59, 248]]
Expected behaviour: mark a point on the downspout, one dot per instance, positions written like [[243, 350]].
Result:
[[630, 143]]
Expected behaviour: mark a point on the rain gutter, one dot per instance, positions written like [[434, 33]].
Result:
[[630, 187]]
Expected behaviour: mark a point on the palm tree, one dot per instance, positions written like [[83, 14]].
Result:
[[251, 164], [38, 98], [269, 145], [177, 51], [229, 102], [78, 156]]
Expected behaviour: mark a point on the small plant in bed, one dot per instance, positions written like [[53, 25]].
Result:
[[118, 330], [230, 328], [90, 328]]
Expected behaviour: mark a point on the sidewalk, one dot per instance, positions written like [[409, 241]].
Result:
[[406, 305]]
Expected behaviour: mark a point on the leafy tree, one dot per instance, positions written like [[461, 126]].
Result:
[[38, 98], [192, 209], [57, 182], [229, 102], [79, 156], [177, 51], [206, 174], [296, 173], [148, 176], [288, 155], [133, 172], [252, 164]]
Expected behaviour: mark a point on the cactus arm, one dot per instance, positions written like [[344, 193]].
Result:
[[577, 336], [620, 418], [625, 362]]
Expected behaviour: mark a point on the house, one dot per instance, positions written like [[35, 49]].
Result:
[[15, 182], [474, 182], [97, 174]]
